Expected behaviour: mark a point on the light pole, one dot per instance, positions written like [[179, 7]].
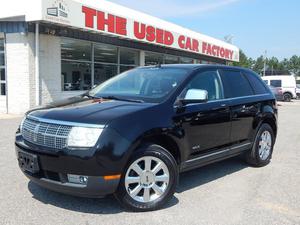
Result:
[[265, 63], [229, 38]]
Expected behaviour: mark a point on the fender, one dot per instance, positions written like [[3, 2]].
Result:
[[266, 115], [166, 137]]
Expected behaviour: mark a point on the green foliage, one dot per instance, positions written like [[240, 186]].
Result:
[[292, 64]]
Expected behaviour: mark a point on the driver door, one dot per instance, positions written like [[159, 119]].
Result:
[[206, 125]]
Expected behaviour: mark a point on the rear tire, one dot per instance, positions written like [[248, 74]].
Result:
[[149, 180], [261, 152], [287, 97]]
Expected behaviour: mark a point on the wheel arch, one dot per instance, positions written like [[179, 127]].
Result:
[[165, 141], [288, 92], [270, 120], [268, 115]]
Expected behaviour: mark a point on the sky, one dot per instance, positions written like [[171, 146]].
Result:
[[256, 25]]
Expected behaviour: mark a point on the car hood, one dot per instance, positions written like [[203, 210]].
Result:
[[83, 110]]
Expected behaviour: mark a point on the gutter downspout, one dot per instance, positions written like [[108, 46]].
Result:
[[37, 64]]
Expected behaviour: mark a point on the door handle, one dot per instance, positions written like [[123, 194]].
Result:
[[244, 108], [221, 107]]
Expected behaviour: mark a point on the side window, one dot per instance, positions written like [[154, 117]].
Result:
[[236, 84], [209, 81], [276, 83], [256, 83]]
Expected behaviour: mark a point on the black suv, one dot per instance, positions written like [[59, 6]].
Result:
[[133, 134]]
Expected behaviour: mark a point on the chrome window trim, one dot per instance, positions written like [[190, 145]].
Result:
[[229, 99], [66, 123], [242, 97]]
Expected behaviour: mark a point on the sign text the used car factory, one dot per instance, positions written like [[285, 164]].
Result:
[[106, 22], [147, 29]]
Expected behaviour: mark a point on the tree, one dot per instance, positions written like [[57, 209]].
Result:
[[274, 64], [244, 61], [294, 65], [258, 65]]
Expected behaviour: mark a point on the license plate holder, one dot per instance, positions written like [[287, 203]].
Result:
[[28, 162]]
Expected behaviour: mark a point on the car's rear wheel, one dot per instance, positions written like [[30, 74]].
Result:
[[261, 152], [287, 97], [149, 180]]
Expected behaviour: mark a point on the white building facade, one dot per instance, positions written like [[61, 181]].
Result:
[[54, 49]]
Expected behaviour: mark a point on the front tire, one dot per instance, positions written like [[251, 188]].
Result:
[[261, 152], [149, 180]]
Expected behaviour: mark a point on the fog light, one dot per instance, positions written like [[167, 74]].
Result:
[[77, 179]]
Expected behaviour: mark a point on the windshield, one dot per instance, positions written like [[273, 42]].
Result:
[[152, 85]]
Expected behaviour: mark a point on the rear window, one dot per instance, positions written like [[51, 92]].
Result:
[[256, 83], [236, 84], [276, 83]]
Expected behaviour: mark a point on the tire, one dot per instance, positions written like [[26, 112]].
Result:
[[287, 97], [256, 157], [146, 181]]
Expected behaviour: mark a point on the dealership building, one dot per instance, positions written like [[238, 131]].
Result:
[[54, 49]]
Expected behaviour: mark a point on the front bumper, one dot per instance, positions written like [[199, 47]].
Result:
[[51, 177], [96, 187]]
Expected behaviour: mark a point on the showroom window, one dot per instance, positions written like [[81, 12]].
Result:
[[170, 59], [129, 59], [76, 65], [184, 60], [85, 64], [2, 69], [106, 62], [153, 58]]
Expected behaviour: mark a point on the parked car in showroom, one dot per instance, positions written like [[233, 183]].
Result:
[[132, 135], [286, 83], [277, 91]]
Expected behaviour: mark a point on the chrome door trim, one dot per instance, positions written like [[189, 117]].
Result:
[[217, 153]]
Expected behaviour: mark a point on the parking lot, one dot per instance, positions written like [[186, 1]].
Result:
[[228, 192]]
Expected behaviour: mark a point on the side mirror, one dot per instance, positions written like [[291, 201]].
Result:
[[195, 96]]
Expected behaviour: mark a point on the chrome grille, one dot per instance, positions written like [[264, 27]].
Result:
[[45, 134]]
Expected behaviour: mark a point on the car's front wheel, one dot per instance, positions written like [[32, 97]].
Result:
[[149, 180]]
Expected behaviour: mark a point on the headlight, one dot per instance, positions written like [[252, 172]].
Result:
[[84, 137]]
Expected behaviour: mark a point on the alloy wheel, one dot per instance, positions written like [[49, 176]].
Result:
[[147, 179], [265, 145]]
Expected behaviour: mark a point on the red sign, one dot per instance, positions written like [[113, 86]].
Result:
[[216, 51], [106, 22]]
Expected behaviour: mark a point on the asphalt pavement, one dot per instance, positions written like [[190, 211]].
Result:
[[229, 192]]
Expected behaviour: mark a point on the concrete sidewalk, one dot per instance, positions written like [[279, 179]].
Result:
[[9, 116]]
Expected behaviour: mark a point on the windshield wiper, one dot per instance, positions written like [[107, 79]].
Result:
[[111, 97], [122, 99]]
